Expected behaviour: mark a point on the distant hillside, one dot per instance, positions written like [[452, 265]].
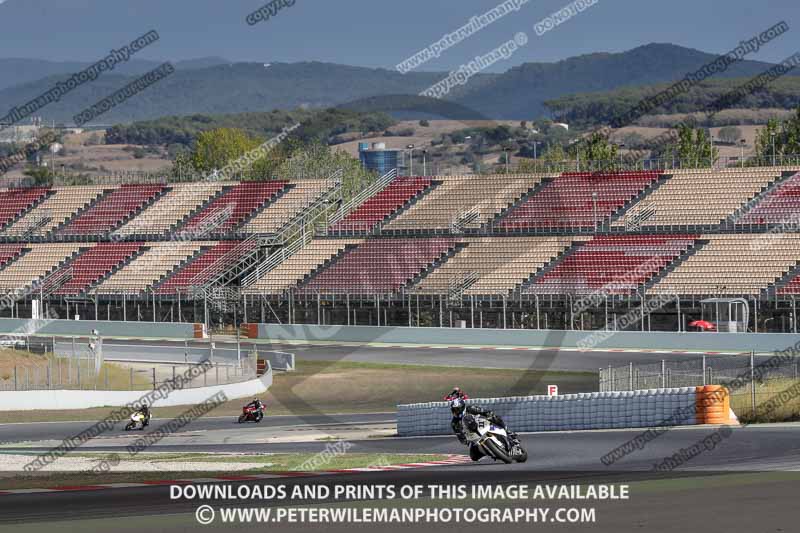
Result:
[[321, 125], [224, 89], [15, 71], [522, 91], [592, 109], [204, 86]]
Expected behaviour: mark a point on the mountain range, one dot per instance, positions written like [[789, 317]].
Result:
[[217, 86]]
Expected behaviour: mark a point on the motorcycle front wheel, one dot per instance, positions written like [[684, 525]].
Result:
[[242, 418], [130, 426], [497, 452], [259, 416]]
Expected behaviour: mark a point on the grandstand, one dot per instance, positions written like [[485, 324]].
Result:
[[505, 250]]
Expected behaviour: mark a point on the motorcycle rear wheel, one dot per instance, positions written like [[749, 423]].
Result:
[[497, 452]]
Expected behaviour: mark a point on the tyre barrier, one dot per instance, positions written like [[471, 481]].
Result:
[[596, 410]]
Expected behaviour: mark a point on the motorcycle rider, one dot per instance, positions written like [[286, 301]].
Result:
[[145, 412], [458, 414], [256, 403], [493, 418]]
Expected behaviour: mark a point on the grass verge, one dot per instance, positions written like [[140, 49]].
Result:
[[262, 464]]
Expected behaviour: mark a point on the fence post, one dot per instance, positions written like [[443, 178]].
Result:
[[663, 374], [106, 380], [600, 375], [15, 378], [753, 383], [630, 376], [704, 371], [49, 371], [79, 375], [205, 378], [154, 376], [131, 369], [173, 376], [216, 372]]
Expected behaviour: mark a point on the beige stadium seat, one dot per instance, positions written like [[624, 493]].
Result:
[[173, 207], [496, 264], [36, 263], [476, 199], [154, 264], [55, 210], [701, 197], [288, 206], [294, 269], [733, 264]]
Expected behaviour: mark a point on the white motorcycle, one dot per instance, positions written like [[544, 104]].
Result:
[[487, 439], [139, 419]]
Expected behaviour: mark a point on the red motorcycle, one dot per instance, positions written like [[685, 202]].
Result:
[[251, 413]]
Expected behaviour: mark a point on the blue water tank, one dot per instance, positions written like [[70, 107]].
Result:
[[378, 158]]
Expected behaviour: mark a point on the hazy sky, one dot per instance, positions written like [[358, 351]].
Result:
[[379, 33]]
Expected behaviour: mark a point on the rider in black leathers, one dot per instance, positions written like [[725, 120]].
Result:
[[493, 418]]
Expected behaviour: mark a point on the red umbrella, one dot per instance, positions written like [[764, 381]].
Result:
[[703, 324]]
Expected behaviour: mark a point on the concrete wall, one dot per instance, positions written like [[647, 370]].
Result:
[[759, 342], [85, 399], [142, 330], [596, 410]]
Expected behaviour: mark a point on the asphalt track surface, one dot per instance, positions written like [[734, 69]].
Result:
[[486, 357], [727, 488]]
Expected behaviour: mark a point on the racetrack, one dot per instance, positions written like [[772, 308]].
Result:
[[554, 458], [556, 359]]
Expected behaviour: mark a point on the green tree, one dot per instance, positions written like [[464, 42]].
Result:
[[730, 134], [218, 147], [693, 147]]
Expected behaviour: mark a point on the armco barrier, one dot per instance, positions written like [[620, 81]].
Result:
[[740, 342], [83, 328], [86, 399], [596, 410]]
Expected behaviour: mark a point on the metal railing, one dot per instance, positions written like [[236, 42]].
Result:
[[377, 186], [67, 365], [751, 379]]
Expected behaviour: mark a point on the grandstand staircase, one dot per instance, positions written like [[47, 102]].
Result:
[[209, 225], [39, 220], [748, 206], [518, 202], [13, 259], [773, 288], [378, 228], [174, 229], [93, 202], [299, 231], [116, 268], [640, 212], [264, 205], [664, 272], [136, 212], [180, 266], [326, 264], [439, 261], [463, 219], [373, 189], [28, 209], [243, 261], [553, 263], [457, 286]]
